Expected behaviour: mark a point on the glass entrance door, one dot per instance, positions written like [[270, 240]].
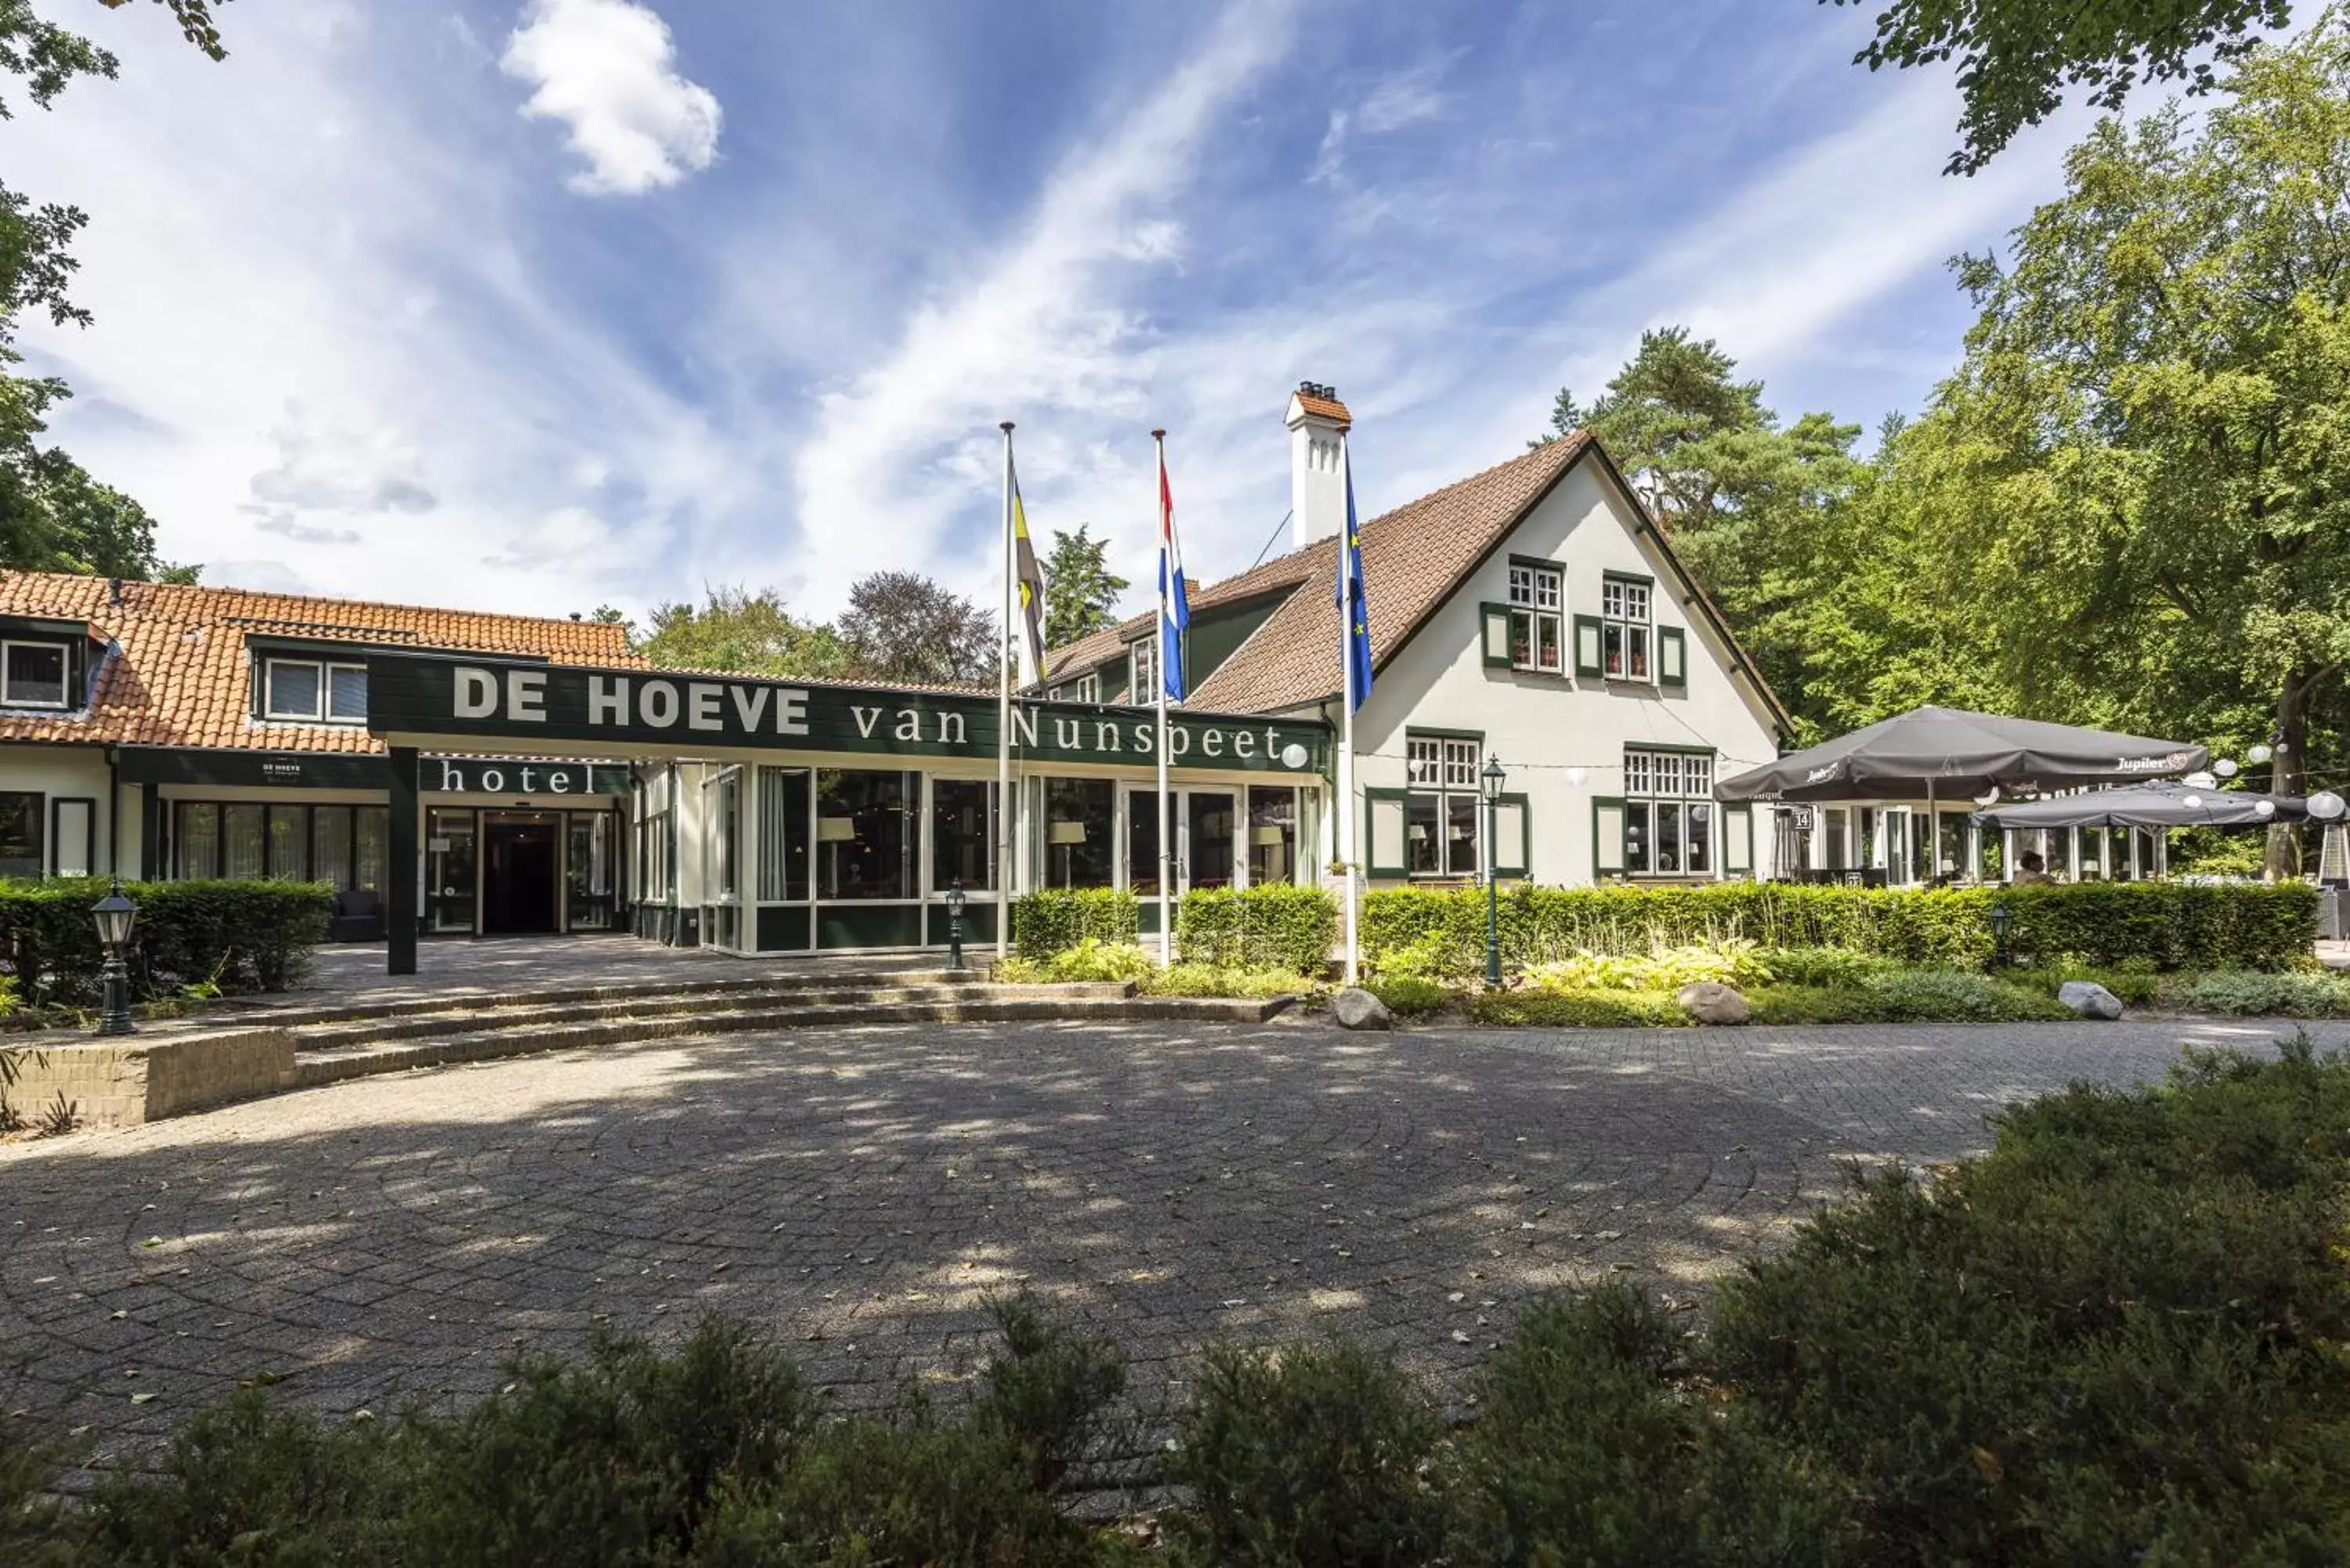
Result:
[[722, 842], [786, 804]]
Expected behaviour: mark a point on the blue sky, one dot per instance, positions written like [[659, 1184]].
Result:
[[543, 304]]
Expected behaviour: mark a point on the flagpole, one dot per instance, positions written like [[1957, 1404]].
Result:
[[1004, 813], [1165, 826], [1346, 725]]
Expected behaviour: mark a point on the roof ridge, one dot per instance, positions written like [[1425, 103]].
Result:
[[139, 588]]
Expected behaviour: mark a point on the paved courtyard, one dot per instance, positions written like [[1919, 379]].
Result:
[[860, 1190]]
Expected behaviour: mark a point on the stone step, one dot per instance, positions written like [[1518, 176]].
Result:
[[315, 1068], [298, 1012], [342, 1032]]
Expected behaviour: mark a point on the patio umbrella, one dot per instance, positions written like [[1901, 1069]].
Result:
[[2160, 803], [1947, 751]]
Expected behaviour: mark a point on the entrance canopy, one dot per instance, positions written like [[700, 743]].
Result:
[[1950, 752], [2162, 802]]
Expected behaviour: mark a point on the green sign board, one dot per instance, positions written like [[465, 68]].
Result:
[[484, 703]]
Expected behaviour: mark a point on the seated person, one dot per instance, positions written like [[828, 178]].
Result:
[[2035, 870]]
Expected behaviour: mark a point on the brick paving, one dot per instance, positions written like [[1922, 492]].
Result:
[[860, 1191]]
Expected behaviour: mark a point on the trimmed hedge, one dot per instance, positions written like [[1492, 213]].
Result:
[[1057, 918], [242, 936], [1275, 926], [1278, 927], [2170, 925]]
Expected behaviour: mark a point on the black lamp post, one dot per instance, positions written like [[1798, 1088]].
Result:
[[2003, 921], [115, 915], [1491, 779], [954, 925]]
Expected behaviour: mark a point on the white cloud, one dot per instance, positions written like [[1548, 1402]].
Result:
[[606, 69], [1042, 332], [1394, 102]]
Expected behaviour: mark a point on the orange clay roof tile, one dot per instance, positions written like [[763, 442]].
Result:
[[178, 674]]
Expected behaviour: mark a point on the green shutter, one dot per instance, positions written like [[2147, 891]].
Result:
[[1672, 656], [1586, 645], [1493, 621], [1514, 836], [1738, 841], [1607, 836], [1383, 841]]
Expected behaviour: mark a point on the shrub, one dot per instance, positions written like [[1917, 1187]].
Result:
[[243, 937], [1944, 996], [1274, 927], [1408, 996], [1051, 919], [1823, 966], [1310, 1456], [2135, 982], [1730, 961], [2115, 1339], [1441, 933], [2250, 994], [1592, 1449], [1577, 1009], [1209, 979], [1088, 959]]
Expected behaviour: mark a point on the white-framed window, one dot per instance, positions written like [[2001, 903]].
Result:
[[1440, 805], [1537, 633], [1087, 688], [314, 690], [1668, 813], [1142, 663], [1626, 633], [33, 674]]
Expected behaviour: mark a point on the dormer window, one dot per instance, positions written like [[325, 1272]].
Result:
[[1088, 688], [313, 691], [33, 674], [1143, 668]]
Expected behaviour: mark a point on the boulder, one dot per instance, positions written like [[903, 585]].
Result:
[[1355, 1008], [2089, 999], [1710, 1001]]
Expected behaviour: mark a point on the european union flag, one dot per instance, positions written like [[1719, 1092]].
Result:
[[1354, 608]]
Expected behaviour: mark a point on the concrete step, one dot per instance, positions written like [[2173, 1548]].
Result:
[[314, 1068], [344, 1032], [295, 1012]]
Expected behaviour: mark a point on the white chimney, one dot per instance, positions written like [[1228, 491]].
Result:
[[1317, 478]]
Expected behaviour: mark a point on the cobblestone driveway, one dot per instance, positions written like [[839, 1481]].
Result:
[[861, 1190]]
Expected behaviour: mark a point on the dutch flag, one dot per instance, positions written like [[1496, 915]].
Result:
[[1174, 604]]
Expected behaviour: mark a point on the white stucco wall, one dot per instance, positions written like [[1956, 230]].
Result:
[[1540, 726], [79, 772]]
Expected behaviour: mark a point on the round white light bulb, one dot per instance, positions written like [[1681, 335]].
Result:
[[2191, 802], [2199, 780], [2257, 754], [2264, 809], [1292, 755], [2226, 767], [1578, 776], [2325, 805]]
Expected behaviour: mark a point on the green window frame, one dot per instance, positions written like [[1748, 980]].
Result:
[[1384, 853], [1514, 836], [1493, 635], [1608, 819], [1672, 659], [1587, 637], [1738, 841]]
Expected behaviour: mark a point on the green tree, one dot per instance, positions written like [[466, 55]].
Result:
[[1080, 590], [901, 626], [2148, 446], [53, 515], [2016, 58], [1697, 442], [748, 632]]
